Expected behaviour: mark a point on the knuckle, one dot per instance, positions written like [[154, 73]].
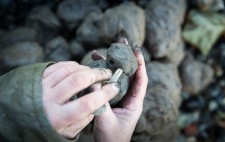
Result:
[[90, 118], [89, 104], [85, 67], [103, 73], [107, 92], [75, 81], [66, 70]]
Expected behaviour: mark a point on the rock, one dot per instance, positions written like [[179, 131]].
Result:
[[57, 50], [126, 20], [162, 30], [176, 7], [77, 50], [195, 76], [177, 55], [160, 113], [43, 20], [18, 35], [159, 109], [72, 12], [88, 32], [166, 76], [20, 54], [141, 125]]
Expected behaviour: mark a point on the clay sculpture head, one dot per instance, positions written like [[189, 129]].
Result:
[[120, 55]]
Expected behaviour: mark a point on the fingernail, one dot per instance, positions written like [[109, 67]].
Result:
[[137, 49], [109, 72], [116, 87]]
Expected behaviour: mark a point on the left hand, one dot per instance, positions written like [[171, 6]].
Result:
[[118, 124]]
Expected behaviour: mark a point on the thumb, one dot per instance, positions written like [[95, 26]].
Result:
[[106, 119]]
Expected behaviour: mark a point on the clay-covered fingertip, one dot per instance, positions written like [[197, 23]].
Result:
[[137, 49], [100, 111], [116, 87]]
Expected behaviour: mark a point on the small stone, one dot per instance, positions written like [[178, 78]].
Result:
[[195, 75], [18, 35], [88, 32], [141, 125], [77, 50], [43, 20], [166, 76], [162, 30], [57, 50], [176, 7], [72, 12], [20, 54], [177, 55]]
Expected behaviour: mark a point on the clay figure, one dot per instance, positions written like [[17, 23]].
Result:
[[119, 56]]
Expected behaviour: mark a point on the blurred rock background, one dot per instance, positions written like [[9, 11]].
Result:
[[183, 42]]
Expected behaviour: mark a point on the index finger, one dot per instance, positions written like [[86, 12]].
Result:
[[87, 104], [77, 82]]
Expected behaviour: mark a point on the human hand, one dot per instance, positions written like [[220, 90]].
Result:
[[118, 124], [63, 80]]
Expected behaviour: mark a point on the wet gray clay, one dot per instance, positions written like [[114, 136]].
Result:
[[119, 55]]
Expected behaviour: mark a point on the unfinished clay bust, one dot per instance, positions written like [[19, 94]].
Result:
[[119, 55]]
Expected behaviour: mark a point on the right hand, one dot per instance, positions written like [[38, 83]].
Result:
[[63, 80]]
